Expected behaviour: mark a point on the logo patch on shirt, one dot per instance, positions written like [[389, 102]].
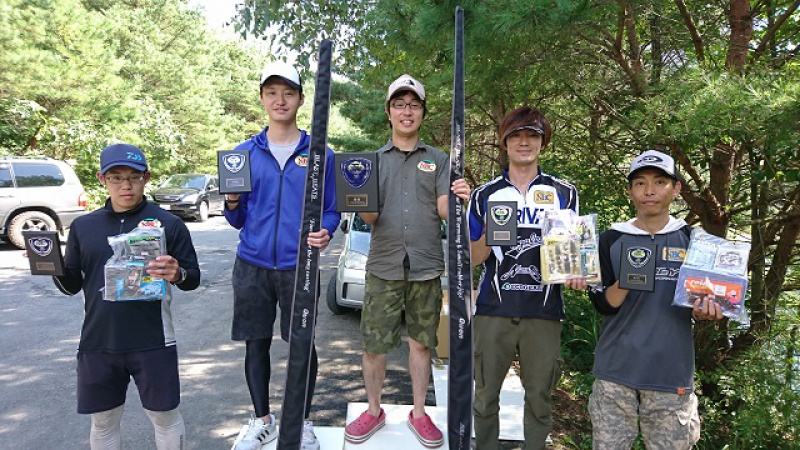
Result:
[[426, 165], [673, 254], [150, 222], [302, 160], [543, 197], [638, 256]]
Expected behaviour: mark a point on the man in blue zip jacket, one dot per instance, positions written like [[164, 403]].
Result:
[[270, 220], [121, 340]]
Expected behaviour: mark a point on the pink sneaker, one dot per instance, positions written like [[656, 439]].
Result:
[[425, 430], [365, 426]]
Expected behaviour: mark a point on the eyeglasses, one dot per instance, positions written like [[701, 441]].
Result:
[[116, 179], [401, 105]]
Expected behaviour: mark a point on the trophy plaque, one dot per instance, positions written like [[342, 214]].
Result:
[[234, 171], [356, 182], [501, 223], [44, 252], [637, 266]]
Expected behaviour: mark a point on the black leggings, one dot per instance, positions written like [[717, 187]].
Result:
[[257, 370]]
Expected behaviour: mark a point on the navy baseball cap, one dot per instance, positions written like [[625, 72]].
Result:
[[122, 155]]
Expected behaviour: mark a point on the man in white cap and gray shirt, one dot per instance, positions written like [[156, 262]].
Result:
[[644, 360], [405, 260], [269, 219]]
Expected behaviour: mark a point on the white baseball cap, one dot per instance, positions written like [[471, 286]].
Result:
[[653, 159], [285, 71], [406, 83]]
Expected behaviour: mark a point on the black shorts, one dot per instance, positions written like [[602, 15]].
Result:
[[103, 379], [257, 293]]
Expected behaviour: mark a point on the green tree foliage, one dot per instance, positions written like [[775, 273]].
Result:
[[716, 85], [78, 75]]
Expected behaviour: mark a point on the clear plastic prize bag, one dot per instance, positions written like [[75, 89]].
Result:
[[717, 267], [126, 271], [570, 246]]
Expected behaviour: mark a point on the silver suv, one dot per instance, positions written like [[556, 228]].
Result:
[[37, 194]]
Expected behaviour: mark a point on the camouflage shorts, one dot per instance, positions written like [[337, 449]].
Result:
[[667, 420], [384, 302]]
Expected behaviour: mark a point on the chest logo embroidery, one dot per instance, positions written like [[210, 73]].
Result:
[[673, 254], [426, 165], [302, 160], [150, 222], [543, 197]]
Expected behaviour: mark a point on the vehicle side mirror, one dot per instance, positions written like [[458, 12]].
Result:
[[344, 226]]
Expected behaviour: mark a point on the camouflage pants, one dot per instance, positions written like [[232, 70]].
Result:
[[384, 301], [667, 420]]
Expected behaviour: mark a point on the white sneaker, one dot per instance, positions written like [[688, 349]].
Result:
[[258, 433], [310, 441]]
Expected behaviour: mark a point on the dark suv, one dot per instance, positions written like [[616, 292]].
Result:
[[37, 194], [189, 195]]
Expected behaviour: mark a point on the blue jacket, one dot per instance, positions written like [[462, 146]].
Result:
[[270, 217]]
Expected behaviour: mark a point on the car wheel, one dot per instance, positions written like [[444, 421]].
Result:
[[29, 220], [330, 297], [202, 214]]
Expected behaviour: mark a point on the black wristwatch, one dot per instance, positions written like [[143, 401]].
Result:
[[181, 277]]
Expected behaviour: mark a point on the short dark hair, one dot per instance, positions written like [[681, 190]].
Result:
[[521, 117]]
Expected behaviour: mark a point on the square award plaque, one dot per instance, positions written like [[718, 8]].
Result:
[[356, 182], [44, 252], [234, 171], [637, 266], [501, 223]]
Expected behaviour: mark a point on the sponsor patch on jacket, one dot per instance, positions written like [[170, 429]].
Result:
[[540, 196], [426, 165], [301, 160], [150, 222], [673, 254]]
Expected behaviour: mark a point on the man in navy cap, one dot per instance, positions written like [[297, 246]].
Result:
[[124, 339]]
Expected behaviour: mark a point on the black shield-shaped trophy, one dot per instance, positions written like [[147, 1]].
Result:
[[234, 171], [356, 182]]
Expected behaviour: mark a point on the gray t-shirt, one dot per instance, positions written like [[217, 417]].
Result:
[[282, 152], [409, 223]]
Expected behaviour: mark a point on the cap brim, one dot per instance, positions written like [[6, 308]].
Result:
[[132, 165], [660, 169], [524, 127], [288, 82]]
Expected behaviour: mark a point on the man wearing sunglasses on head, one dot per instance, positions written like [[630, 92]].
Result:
[[121, 340]]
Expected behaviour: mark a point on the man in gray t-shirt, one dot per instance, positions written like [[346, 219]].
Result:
[[405, 260]]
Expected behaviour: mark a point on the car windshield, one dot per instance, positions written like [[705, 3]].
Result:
[[360, 225], [186, 181]]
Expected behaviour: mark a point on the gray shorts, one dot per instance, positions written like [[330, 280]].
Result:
[[668, 421]]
